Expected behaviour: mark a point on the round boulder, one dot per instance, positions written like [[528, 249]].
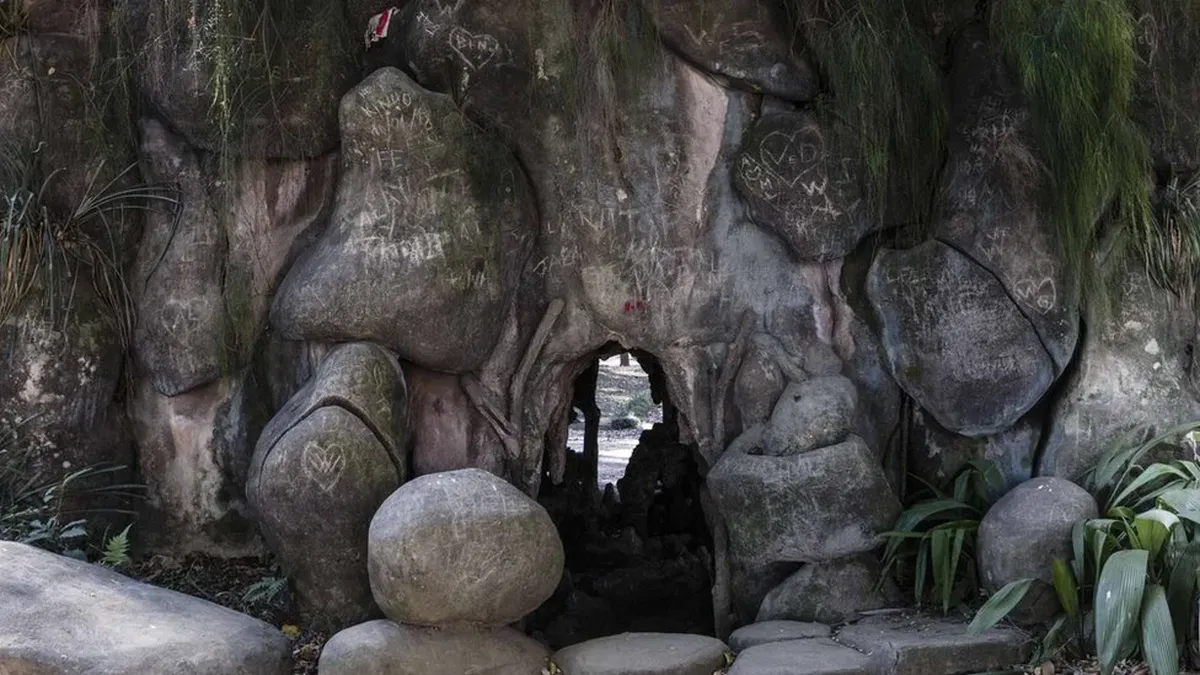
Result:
[[462, 547], [1025, 531]]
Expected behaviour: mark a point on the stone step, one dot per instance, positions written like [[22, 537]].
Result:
[[765, 632], [644, 654], [918, 645], [814, 656]]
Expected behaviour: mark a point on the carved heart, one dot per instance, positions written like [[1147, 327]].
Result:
[[324, 466], [476, 51], [1041, 295]]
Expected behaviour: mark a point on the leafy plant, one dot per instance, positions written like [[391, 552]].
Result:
[[264, 591], [116, 550], [937, 534], [1136, 570], [640, 405]]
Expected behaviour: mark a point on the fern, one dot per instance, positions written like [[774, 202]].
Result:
[[116, 550]]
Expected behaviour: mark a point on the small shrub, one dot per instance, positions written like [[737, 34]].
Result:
[[936, 535], [640, 405]]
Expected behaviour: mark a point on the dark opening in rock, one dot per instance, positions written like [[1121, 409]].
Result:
[[638, 550]]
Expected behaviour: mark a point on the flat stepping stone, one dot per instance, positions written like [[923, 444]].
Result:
[[644, 654], [814, 656], [59, 615], [765, 632], [918, 645]]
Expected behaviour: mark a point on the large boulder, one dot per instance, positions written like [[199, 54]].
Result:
[[65, 616], [810, 415], [431, 230], [644, 654], [793, 172], [462, 547], [1022, 534], [955, 340], [387, 648], [1139, 365], [336, 449], [830, 592], [818, 506]]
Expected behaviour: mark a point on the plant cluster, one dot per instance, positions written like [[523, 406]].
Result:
[[1131, 586], [40, 511], [932, 545]]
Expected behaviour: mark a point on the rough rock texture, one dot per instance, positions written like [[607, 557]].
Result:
[[955, 340], [477, 520], [643, 654], [387, 648], [801, 657], [1022, 534], [429, 236], [810, 415], [745, 41], [64, 616], [937, 455], [800, 185], [830, 592], [1138, 366], [902, 645], [335, 449], [803, 508], [765, 632]]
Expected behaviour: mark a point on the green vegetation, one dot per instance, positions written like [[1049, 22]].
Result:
[[1132, 583], [934, 539], [1075, 64], [886, 93], [42, 511]]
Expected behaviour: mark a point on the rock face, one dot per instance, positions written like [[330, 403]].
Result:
[[829, 592], [386, 648], [798, 184], [803, 508], [431, 231], [64, 616], [643, 654], [810, 415], [1022, 534], [955, 341], [336, 449], [477, 520]]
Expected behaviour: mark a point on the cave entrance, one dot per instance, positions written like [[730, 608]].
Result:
[[638, 549]]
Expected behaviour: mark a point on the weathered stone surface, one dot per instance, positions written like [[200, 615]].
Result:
[[819, 656], [329, 464], [822, 505], [180, 338], [810, 415], [936, 455], [474, 519], [447, 431], [65, 616], [744, 40], [643, 654], [1167, 88], [991, 197], [955, 340], [196, 447], [902, 645], [765, 632], [800, 186], [830, 592], [1022, 534], [262, 81], [1139, 366], [758, 386], [387, 648], [431, 230]]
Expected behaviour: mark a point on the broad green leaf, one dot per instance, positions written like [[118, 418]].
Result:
[[1079, 563], [1065, 588], [922, 571], [915, 515], [1187, 499], [1148, 477], [990, 483], [1158, 635], [1151, 533], [1118, 604], [999, 605], [1181, 589], [956, 548], [943, 582]]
